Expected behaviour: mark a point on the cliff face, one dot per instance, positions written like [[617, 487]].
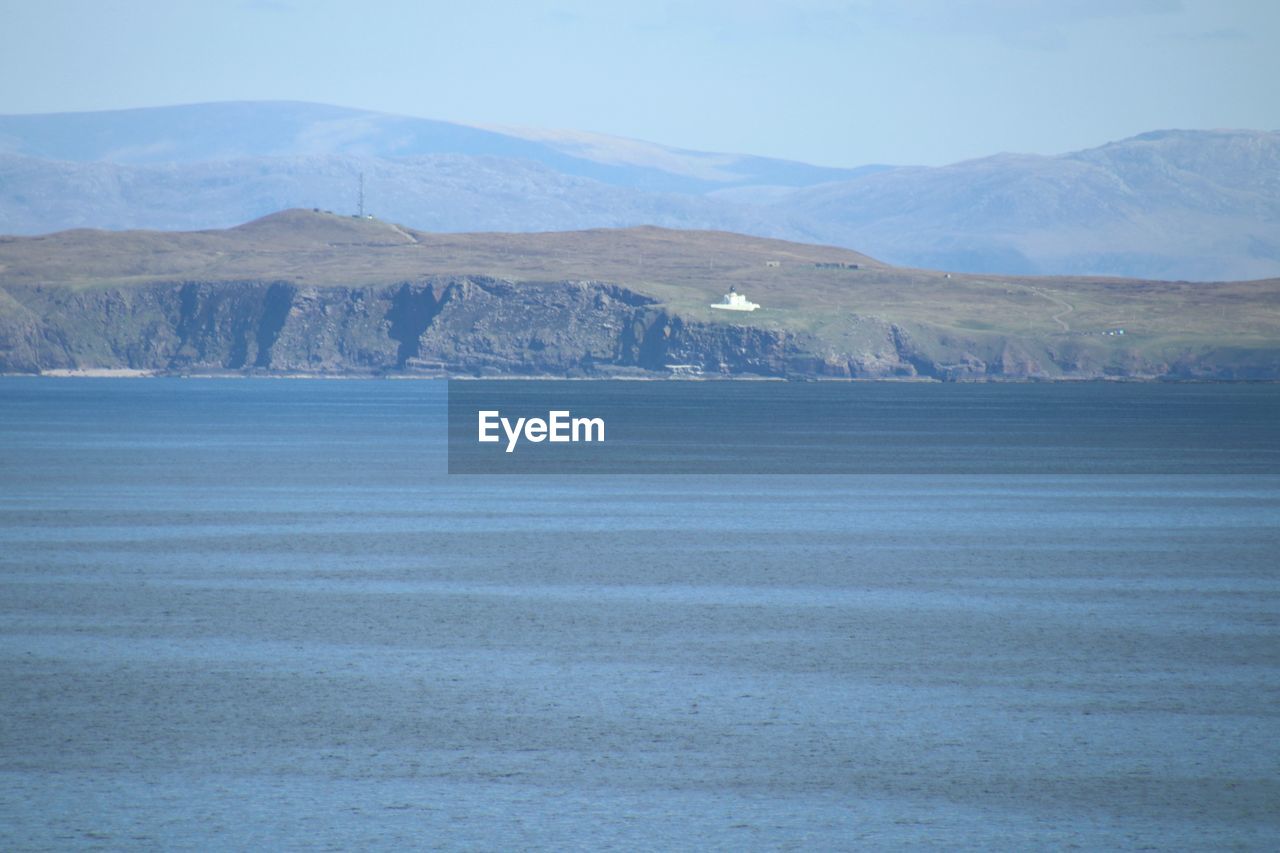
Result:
[[484, 327], [453, 325]]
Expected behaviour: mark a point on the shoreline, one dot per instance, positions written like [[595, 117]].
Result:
[[129, 373]]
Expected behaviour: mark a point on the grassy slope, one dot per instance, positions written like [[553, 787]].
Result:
[[687, 270]]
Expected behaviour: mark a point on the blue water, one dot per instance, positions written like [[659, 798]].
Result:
[[258, 614]]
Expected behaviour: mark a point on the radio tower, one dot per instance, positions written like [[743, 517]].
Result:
[[362, 195]]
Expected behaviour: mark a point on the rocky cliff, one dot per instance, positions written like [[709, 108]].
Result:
[[447, 325], [481, 326], [315, 293]]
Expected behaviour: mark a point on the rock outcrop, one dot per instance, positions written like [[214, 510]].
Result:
[[481, 326], [451, 325]]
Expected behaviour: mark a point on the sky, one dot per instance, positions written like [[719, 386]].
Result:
[[834, 83]]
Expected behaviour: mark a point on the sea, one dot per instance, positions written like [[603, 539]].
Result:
[[262, 614]]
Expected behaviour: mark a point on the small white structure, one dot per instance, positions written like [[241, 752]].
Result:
[[735, 301]]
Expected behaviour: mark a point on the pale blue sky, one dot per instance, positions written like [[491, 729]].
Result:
[[836, 83]]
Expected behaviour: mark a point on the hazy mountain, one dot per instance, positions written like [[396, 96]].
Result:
[[438, 193], [237, 130], [1170, 204]]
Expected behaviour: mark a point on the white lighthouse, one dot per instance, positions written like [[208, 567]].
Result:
[[735, 301]]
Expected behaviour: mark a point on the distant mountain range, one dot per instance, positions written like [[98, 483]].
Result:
[[1196, 205]]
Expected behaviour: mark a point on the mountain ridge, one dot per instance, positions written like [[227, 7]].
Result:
[[186, 133], [1171, 204]]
